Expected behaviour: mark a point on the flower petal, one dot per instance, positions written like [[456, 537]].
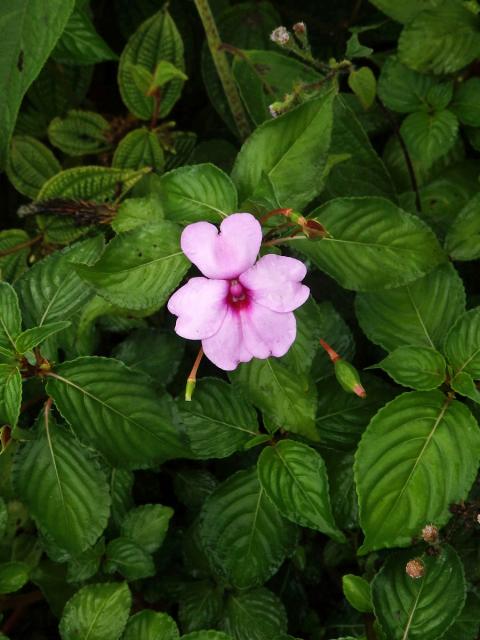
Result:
[[267, 333], [227, 254], [201, 306], [274, 282], [226, 348]]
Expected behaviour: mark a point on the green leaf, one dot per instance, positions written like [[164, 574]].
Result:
[[342, 417], [113, 409], [193, 486], [242, 532], [155, 40], [423, 608], [443, 39], [429, 136], [463, 237], [406, 470], [254, 615], [206, 635], [10, 318], [201, 605], [30, 165], [218, 420], [151, 625], [355, 49], [164, 72], [51, 291], [467, 624], [402, 89], [357, 592], [311, 320], [463, 383], [99, 184], [362, 172], [153, 352], [197, 192], [80, 133], [14, 264], [96, 612], [30, 30], [420, 313], [147, 525], [183, 144], [364, 85], [36, 335], [10, 395], [13, 576], [86, 565], [139, 148], [406, 10], [264, 77], [288, 153], [466, 102], [139, 268], [294, 477], [121, 484], [135, 212], [63, 487], [129, 559], [80, 43], [372, 244], [421, 368], [462, 345], [342, 488], [286, 398]]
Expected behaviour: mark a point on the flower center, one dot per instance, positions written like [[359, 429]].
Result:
[[237, 295]]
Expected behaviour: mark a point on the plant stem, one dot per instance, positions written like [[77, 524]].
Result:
[[368, 620], [223, 68], [406, 154], [19, 247]]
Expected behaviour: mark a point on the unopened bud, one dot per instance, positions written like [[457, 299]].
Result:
[[430, 533], [275, 109], [280, 36], [478, 518], [299, 28], [415, 568], [189, 389], [348, 378]]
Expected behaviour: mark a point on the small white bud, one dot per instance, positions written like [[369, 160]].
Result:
[[280, 36], [430, 533]]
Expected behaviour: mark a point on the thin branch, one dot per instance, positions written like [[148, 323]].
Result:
[[223, 68], [20, 246]]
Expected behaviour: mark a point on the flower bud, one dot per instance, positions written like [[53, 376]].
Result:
[[415, 568], [299, 28], [430, 533], [348, 377], [275, 109], [280, 36]]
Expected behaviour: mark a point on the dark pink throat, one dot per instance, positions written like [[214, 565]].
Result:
[[237, 296]]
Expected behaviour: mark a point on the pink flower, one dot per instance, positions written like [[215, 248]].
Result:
[[241, 309]]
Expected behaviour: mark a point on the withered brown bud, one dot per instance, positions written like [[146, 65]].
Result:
[[314, 229], [415, 568], [430, 533]]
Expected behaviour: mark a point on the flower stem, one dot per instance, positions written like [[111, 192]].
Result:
[[332, 354], [192, 378], [223, 68]]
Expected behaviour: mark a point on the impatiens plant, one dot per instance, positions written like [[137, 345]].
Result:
[[292, 191]]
